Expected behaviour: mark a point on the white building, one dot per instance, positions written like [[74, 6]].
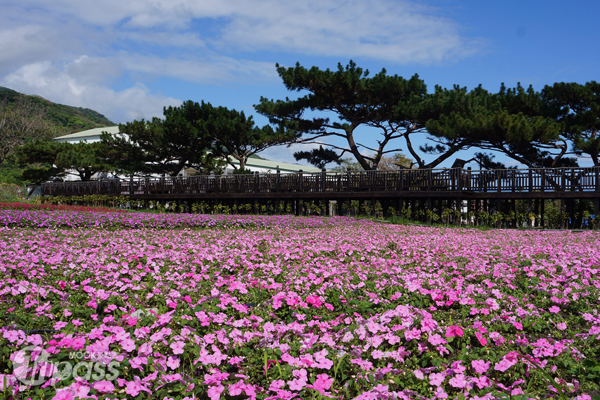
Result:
[[254, 164]]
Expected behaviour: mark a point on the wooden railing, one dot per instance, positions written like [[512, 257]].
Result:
[[424, 180]]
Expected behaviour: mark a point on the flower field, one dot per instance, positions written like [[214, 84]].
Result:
[[50, 207], [286, 307]]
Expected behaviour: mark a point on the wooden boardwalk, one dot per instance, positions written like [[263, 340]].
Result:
[[456, 183]]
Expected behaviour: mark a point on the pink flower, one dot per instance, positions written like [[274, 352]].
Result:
[[64, 394], [133, 388], [322, 383], [480, 366], [296, 384], [436, 379], [276, 385], [561, 326], [128, 345], [482, 340], [436, 340], [458, 381], [59, 325], [104, 386], [173, 362], [237, 388], [314, 300], [508, 361], [454, 331], [12, 336], [177, 347], [419, 374], [482, 382], [78, 343], [412, 334], [554, 309], [517, 325], [214, 392]]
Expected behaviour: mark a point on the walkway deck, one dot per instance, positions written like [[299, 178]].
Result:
[[457, 183]]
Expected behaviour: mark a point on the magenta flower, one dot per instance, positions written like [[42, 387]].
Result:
[[173, 362], [64, 394], [436, 340], [482, 340], [177, 347], [436, 379], [453, 331], [480, 366], [458, 381], [104, 386], [276, 385], [214, 392], [322, 383]]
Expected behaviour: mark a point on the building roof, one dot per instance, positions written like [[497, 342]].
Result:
[[89, 134], [256, 162]]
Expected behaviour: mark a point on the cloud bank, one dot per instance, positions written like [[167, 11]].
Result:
[[80, 53]]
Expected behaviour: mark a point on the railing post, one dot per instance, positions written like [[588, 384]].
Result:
[[429, 179], [401, 180], [146, 185], [323, 177], [468, 178], [562, 181], [543, 178], [348, 181], [530, 173], [499, 180], [483, 180], [459, 179], [131, 185], [372, 179], [597, 189], [300, 182], [278, 187], [513, 182], [256, 182]]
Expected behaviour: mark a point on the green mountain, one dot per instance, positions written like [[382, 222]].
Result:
[[64, 119]]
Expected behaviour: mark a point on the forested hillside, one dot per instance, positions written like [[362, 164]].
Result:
[[64, 119]]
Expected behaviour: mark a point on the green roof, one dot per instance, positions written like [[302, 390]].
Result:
[[89, 133]]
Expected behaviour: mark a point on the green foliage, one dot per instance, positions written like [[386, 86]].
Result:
[[513, 121], [384, 102], [63, 119], [235, 136], [182, 140], [578, 107], [53, 160], [318, 157]]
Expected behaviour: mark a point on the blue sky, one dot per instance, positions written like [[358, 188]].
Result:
[[129, 59]]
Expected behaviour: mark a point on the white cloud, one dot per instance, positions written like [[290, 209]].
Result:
[[400, 31], [166, 39], [72, 51], [286, 154], [209, 69], [25, 44], [397, 31], [61, 86]]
